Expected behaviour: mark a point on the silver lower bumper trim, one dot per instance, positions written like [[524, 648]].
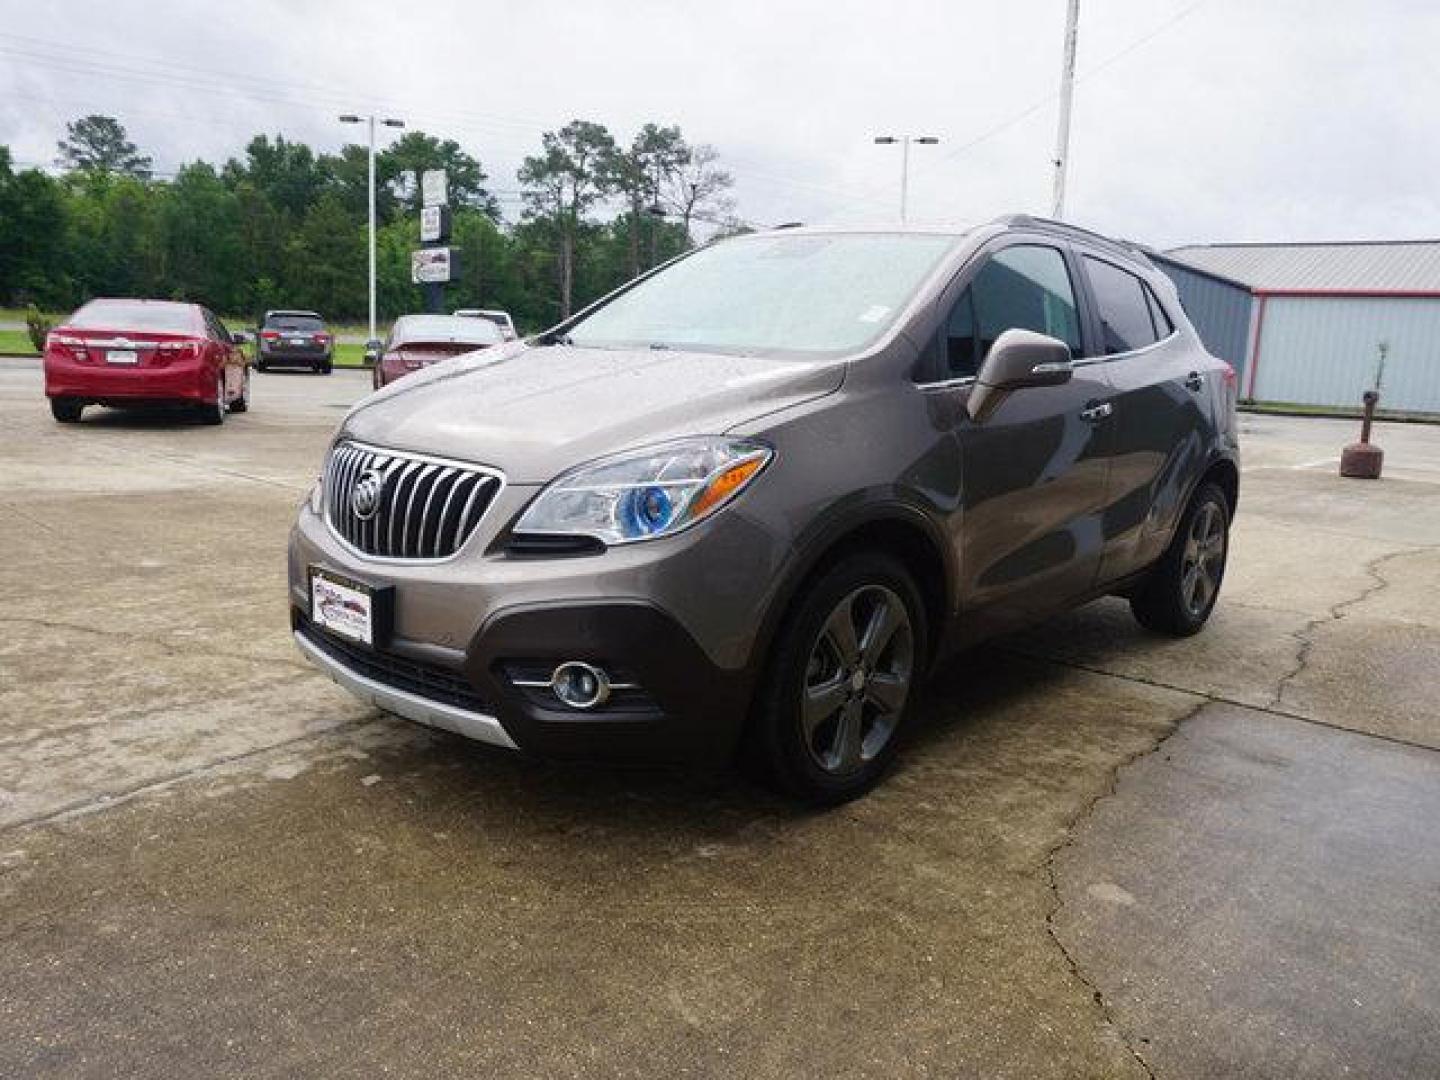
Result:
[[472, 725]]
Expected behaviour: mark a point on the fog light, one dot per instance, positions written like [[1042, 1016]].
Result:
[[580, 685]]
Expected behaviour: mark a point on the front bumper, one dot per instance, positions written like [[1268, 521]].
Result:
[[676, 617], [423, 710]]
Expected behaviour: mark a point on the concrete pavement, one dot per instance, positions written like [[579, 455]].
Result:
[[212, 862]]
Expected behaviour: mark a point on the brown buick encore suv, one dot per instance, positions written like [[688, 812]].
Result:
[[752, 498]]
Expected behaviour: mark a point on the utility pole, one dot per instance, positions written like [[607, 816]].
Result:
[[350, 118], [1067, 90], [905, 141]]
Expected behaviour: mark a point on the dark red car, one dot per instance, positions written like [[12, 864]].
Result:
[[145, 352], [417, 341]]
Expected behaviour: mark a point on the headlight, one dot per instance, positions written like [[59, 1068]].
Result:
[[647, 493]]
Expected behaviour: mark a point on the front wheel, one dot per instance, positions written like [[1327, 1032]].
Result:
[[1180, 592], [842, 680]]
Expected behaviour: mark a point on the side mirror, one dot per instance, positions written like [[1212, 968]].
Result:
[[239, 337], [372, 350], [1019, 359]]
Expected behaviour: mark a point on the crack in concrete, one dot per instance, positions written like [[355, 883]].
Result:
[[1306, 634], [1048, 866], [81, 807]]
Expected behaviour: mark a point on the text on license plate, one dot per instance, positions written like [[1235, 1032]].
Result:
[[122, 356], [342, 608]]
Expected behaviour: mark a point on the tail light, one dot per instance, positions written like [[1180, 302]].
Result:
[[1232, 386], [64, 345], [269, 335], [322, 339], [166, 351]]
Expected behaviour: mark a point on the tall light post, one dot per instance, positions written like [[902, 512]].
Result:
[[351, 118], [905, 141], [1067, 90]]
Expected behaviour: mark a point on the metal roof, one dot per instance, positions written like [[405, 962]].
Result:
[[1374, 266]]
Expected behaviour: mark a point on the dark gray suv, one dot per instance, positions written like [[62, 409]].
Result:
[[752, 498]]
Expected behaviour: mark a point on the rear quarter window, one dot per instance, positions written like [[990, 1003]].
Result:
[[1124, 307]]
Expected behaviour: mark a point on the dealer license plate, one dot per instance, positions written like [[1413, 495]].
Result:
[[342, 606]]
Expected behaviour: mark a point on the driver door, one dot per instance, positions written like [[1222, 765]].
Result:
[[1035, 473]]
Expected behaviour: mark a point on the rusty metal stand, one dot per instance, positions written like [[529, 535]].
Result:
[[1362, 460]]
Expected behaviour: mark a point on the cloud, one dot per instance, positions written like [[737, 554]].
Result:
[[1217, 120]]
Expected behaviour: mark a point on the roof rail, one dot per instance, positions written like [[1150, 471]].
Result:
[[1051, 225], [788, 225]]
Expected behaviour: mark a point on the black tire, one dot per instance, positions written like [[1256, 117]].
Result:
[[213, 412], [261, 366], [66, 410], [242, 403], [792, 753], [326, 367], [1178, 595]]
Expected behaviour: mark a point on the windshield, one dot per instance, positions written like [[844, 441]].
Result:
[[295, 322], [439, 329], [135, 315], [800, 293]]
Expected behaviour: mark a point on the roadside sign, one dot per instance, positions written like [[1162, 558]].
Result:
[[434, 188], [434, 224], [433, 266]]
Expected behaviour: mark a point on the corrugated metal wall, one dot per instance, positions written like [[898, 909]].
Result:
[[1219, 310], [1324, 350]]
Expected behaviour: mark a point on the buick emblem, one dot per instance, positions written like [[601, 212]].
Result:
[[365, 496]]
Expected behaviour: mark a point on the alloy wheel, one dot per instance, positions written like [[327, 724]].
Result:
[[857, 679], [1203, 560]]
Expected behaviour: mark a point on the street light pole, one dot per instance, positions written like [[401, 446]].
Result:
[[905, 141], [350, 118], [1067, 87]]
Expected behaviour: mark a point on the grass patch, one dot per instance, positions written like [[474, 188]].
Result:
[[17, 343]]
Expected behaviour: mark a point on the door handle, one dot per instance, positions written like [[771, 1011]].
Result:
[[1195, 381], [1095, 413]]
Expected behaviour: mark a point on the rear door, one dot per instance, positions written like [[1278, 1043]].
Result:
[[1035, 472], [1160, 422]]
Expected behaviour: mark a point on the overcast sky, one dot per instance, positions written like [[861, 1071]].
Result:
[[1217, 120]]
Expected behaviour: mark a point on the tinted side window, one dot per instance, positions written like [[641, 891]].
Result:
[[1028, 288], [1124, 307]]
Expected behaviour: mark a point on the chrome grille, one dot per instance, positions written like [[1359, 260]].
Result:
[[422, 507]]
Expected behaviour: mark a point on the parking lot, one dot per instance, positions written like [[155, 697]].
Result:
[[1103, 853]]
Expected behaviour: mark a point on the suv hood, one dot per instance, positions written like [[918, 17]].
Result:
[[535, 411]]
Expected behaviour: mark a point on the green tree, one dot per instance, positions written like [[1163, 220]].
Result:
[[561, 186], [325, 261], [204, 257], [99, 144], [33, 222], [637, 174], [288, 173]]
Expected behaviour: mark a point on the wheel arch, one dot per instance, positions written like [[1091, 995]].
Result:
[[900, 530]]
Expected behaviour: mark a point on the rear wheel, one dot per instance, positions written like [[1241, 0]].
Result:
[[66, 410], [1180, 592], [213, 412], [325, 367], [261, 366], [842, 680], [242, 403]]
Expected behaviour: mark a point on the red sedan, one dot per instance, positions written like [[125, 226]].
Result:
[[145, 352], [418, 341]]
